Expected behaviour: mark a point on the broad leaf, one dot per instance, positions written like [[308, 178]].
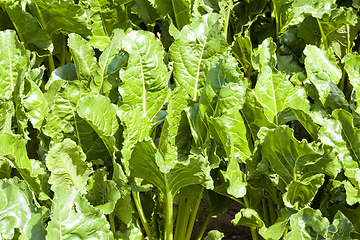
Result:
[[66, 161], [194, 51], [272, 89], [72, 215], [83, 54], [103, 193], [145, 79], [110, 61], [14, 61], [19, 210], [352, 68], [144, 164]]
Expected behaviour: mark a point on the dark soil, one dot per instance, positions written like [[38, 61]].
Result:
[[223, 224]]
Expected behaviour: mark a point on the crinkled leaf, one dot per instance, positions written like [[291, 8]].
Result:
[[248, 217], [175, 137], [352, 68], [60, 15], [66, 161], [214, 235], [350, 135], [143, 164], [178, 10], [242, 49], [83, 55], [145, 79], [20, 210], [272, 89], [14, 61], [35, 104], [73, 217], [106, 16], [193, 52], [325, 69], [292, 160], [122, 209], [316, 8], [254, 114], [104, 194], [100, 114], [13, 148], [110, 61], [290, 52], [29, 28], [301, 193]]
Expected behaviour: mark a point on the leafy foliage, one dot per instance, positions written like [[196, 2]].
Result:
[[118, 117]]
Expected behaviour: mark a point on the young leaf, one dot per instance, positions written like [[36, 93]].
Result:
[[20, 211], [72, 215], [14, 61], [104, 194], [13, 148], [145, 79], [66, 161], [83, 55], [193, 52], [214, 235], [293, 160], [144, 164], [272, 89], [106, 16], [352, 68], [110, 61]]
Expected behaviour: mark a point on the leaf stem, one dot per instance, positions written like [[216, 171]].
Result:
[[227, 18], [323, 36], [168, 212], [265, 212], [254, 234], [181, 209], [184, 219], [112, 222], [193, 216], [271, 208], [142, 214], [203, 226]]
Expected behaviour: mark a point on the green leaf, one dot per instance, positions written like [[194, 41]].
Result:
[[100, 114], [103, 194], [66, 161], [13, 148], [179, 11], [14, 61], [300, 193], [350, 135], [352, 68], [143, 164], [317, 8], [308, 224], [216, 204], [19, 210], [145, 79], [193, 52], [214, 235], [254, 114], [242, 49], [60, 15], [247, 217], [283, 12], [106, 16], [272, 89], [72, 216], [292, 160], [29, 29], [175, 134], [122, 209], [145, 11], [326, 69], [111, 60], [35, 104], [290, 52], [83, 55]]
